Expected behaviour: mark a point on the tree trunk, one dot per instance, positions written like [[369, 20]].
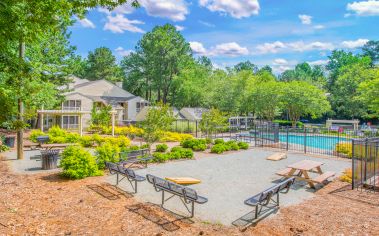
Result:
[[20, 106]]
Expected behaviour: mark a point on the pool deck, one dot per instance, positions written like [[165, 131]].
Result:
[[228, 180]]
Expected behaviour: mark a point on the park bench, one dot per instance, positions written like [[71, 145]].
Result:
[[323, 178], [133, 157], [186, 195], [264, 198], [126, 173]]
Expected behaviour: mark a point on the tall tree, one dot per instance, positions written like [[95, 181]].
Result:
[[246, 65], [368, 92], [102, 65], [23, 23], [371, 49]]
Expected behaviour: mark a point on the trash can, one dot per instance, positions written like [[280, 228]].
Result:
[[49, 159], [9, 141]]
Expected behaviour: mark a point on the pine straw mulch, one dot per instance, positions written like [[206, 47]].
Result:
[[46, 204]]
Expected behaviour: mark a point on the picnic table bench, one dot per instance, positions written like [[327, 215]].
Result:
[[127, 173], [134, 157], [300, 170], [263, 198], [186, 195]]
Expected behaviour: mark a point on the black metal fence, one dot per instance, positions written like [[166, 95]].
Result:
[[365, 164]]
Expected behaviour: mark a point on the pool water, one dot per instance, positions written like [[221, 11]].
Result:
[[320, 142]]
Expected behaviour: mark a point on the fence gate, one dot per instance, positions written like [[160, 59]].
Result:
[[365, 164]]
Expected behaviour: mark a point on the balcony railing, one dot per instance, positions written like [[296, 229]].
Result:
[[71, 108]]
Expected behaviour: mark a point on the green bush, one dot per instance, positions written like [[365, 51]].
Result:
[[107, 152], [185, 153], [35, 133], [160, 157], [161, 147], [72, 138], [288, 123], [219, 141], [243, 145], [78, 163], [97, 139], [218, 148], [208, 140], [86, 141], [232, 145], [57, 139], [195, 144]]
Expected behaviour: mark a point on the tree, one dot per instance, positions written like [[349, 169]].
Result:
[[247, 65], [265, 98], [161, 54], [102, 65], [24, 23], [159, 119], [371, 49], [368, 91], [305, 72], [299, 98], [101, 115], [212, 121]]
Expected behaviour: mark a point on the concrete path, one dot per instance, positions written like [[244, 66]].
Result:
[[227, 180]]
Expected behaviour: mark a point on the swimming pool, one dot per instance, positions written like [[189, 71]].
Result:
[[311, 141]]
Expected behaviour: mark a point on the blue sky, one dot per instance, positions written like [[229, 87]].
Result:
[[279, 33]]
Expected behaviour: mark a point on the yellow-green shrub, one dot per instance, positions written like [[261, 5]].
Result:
[[35, 133], [120, 141], [107, 152], [175, 137], [345, 148], [347, 176]]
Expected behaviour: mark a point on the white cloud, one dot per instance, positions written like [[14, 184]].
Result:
[[281, 69], [207, 24], [305, 19], [119, 24], [280, 61], [236, 8], [319, 27], [122, 9], [198, 48], [229, 49], [301, 46], [179, 27], [364, 8], [354, 44], [318, 62], [270, 47], [175, 10], [122, 52], [86, 23]]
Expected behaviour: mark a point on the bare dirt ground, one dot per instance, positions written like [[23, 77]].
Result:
[[46, 204]]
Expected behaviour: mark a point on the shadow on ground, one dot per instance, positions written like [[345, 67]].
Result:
[[109, 191], [361, 196], [168, 220]]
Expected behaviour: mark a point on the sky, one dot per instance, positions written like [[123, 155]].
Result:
[[279, 33]]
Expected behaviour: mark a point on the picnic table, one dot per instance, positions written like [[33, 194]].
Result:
[[300, 170], [183, 180]]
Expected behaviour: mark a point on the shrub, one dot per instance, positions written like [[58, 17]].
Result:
[[219, 141], [97, 139], [86, 141], [347, 176], [218, 148], [288, 123], [184, 152], [160, 157], [55, 131], [78, 163], [208, 140], [35, 133], [145, 146], [161, 147], [175, 137], [232, 145], [120, 141], [72, 138], [345, 148], [194, 144], [243, 145], [107, 152]]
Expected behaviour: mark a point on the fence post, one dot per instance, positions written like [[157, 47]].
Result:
[[353, 165], [188, 127], [196, 129], [305, 140], [287, 137], [255, 135]]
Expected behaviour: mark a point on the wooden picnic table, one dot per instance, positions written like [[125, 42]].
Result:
[[300, 170]]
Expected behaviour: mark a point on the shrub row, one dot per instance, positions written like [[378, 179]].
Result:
[[130, 131], [175, 153], [222, 146], [195, 144], [175, 137], [288, 123]]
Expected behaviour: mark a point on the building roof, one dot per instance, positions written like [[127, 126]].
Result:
[[193, 113]]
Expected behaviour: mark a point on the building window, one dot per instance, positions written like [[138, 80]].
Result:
[[70, 122], [140, 106], [72, 105]]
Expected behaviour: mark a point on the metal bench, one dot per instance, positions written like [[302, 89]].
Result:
[[135, 157], [186, 195], [129, 174], [263, 198]]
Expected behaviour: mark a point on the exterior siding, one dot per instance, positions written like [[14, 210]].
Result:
[[86, 105]]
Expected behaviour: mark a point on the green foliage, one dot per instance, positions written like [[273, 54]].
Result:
[[218, 141], [345, 148], [218, 148], [243, 145], [266, 99], [371, 49], [232, 145], [78, 163], [213, 121], [287, 123], [107, 152], [35, 133], [368, 92], [101, 116], [176, 153], [195, 144], [86, 141], [158, 120], [161, 147]]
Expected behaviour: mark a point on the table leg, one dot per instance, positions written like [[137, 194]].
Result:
[[308, 179], [319, 170]]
